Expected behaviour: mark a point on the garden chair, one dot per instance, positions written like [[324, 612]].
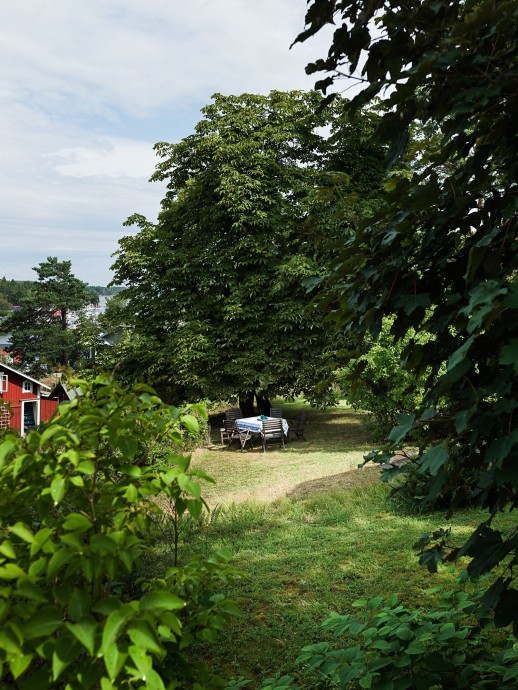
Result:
[[233, 433], [226, 431], [276, 412], [296, 426], [234, 413], [230, 416], [272, 432]]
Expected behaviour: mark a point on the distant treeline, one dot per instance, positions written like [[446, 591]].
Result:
[[106, 291], [12, 292]]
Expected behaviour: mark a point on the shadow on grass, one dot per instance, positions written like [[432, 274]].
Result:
[[350, 479]]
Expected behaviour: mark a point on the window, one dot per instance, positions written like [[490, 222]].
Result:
[[3, 383], [27, 387]]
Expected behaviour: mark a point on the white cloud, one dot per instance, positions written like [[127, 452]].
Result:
[[89, 86], [109, 158]]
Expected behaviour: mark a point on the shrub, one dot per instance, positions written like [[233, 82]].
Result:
[[377, 382], [76, 503], [396, 648]]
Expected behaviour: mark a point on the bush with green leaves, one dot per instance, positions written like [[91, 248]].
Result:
[[378, 382], [77, 502], [393, 647]]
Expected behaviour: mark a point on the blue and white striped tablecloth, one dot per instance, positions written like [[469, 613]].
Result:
[[254, 424]]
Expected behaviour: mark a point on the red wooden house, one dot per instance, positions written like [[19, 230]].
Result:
[[23, 395]]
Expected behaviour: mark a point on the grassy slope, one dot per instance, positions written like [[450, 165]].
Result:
[[314, 539]]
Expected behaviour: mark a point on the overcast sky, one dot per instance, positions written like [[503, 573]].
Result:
[[87, 88]]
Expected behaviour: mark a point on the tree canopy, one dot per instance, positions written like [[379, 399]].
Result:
[[41, 336], [215, 286], [442, 256]]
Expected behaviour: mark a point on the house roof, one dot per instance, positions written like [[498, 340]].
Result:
[[71, 393], [21, 373]]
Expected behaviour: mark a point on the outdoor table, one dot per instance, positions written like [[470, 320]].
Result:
[[255, 424]]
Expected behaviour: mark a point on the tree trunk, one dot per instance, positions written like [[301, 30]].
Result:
[[246, 403], [263, 403]]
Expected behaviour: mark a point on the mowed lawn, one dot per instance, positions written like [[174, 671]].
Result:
[[336, 443], [312, 533]]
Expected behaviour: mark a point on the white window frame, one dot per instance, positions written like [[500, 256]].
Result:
[[27, 386], [4, 383]]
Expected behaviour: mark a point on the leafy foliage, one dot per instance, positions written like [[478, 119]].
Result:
[[214, 288], [378, 382], [77, 503], [443, 254], [41, 335], [396, 648]]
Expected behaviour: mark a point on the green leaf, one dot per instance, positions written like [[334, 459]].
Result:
[[85, 632], [128, 446], [11, 571], [143, 635], [107, 605], [195, 508], [391, 600], [131, 493], [29, 590], [57, 489], [50, 432], [86, 467], [434, 459], [141, 660], [373, 603], [405, 423], [154, 681], [200, 409], [79, 604], [7, 549], [460, 354], [366, 681], [41, 538], [5, 449], [21, 530], [509, 354], [18, 664], [114, 658], [77, 523], [404, 633], [381, 644], [410, 303], [10, 642], [65, 651], [58, 561], [114, 625], [190, 423], [160, 599], [45, 622]]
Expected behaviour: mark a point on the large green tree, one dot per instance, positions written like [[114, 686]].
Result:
[[442, 256], [41, 333], [215, 286]]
